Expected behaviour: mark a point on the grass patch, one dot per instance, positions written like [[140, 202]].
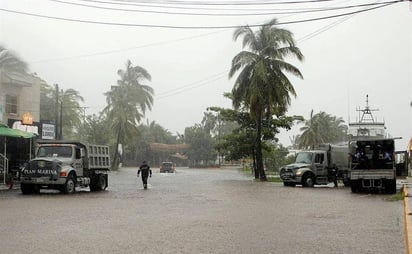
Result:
[[248, 172], [395, 197], [274, 179]]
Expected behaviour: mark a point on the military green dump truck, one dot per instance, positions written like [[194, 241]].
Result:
[[65, 165]]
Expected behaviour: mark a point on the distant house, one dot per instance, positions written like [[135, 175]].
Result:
[[19, 109], [19, 96]]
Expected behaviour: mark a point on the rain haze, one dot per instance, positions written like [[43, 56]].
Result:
[[187, 48]]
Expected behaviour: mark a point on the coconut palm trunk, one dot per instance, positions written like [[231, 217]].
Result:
[[259, 157]]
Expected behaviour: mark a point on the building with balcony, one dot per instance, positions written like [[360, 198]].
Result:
[[19, 95]]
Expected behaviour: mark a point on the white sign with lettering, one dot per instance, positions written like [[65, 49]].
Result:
[[28, 128], [48, 131]]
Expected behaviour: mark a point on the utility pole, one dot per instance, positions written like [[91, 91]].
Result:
[[56, 108], [61, 118]]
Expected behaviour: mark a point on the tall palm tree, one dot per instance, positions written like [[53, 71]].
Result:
[[10, 62], [127, 104], [262, 84]]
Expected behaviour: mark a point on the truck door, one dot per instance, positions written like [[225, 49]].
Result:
[[401, 163], [78, 162], [319, 164]]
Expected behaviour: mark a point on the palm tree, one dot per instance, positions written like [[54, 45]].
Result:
[[10, 62], [321, 128], [127, 104], [262, 84], [62, 106], [310, 133]]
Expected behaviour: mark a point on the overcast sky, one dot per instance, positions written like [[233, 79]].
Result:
[[346, 57]]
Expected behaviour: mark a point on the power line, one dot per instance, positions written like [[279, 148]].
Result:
[[197, 27], [219, 3], [266, 13], [125, 49], [324, 29], [191, 7], [193, 85]]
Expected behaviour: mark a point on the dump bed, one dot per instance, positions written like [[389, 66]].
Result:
[[98, 157]]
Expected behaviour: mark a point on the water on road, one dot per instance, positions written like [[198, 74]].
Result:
[[200, 211]]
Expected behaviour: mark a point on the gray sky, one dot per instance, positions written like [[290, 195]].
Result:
[[345, 57]]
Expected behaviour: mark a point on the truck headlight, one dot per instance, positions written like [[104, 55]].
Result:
[[299, 173]]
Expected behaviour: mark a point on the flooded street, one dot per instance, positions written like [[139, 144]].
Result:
[[200, 211]]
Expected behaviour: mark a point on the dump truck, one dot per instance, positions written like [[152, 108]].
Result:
[[327, 164], [375, 165], [65, 165]]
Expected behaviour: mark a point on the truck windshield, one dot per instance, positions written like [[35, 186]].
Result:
[[304, 157], [55, 151]]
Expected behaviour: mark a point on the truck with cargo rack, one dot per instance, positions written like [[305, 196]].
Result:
[[326, 164], [375, 165], [65, 165]]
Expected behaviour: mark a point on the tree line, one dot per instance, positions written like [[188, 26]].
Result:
[[261, 96]]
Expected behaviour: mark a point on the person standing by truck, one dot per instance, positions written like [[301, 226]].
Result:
[[146, 172]]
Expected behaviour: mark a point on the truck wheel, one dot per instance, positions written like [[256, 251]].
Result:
[[346, 182], [102, 183], [26, 188], [308, 181], [390, 186], [36, 189], [289, 184], [70, 186], [354, 186]]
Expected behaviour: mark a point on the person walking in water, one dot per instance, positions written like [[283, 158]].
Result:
[[146, 172]]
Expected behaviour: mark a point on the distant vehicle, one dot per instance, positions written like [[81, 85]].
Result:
[[167, 167]]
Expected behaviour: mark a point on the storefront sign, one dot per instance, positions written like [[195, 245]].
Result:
[[28, 128], [48, 131]]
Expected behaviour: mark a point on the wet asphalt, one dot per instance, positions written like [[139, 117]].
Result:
[[200, 211]]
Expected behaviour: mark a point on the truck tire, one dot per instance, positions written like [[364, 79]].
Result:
[[26, 188], [36, 189], [346, 182], [289, 184], [70, 186], [390, 186], [102, 182], [308, 181], [355, 186]]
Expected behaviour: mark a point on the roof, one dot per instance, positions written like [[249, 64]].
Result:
[[18, 79], [169, 148]]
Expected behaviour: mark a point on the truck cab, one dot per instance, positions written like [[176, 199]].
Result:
[[309, 168]]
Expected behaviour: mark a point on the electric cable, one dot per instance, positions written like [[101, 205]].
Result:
[[196, 27], [312, 10]]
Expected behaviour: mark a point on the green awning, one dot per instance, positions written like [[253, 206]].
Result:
[[8, 132]]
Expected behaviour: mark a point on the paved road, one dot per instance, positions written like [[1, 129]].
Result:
[[200, 211]]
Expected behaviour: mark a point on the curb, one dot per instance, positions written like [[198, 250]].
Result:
[[407, 221]]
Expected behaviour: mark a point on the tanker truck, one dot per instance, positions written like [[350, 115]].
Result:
[[326, 164], [65, 165]]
